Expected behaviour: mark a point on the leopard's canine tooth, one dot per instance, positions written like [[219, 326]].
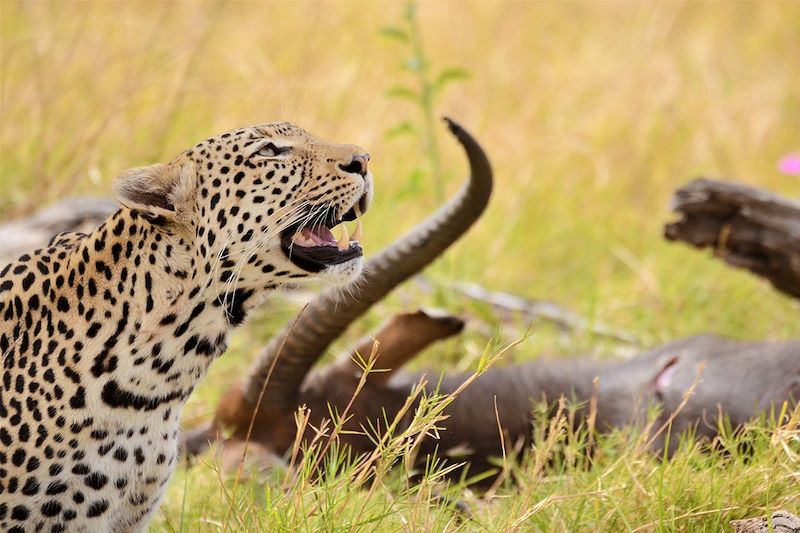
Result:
[[358, 232], [344, 241]]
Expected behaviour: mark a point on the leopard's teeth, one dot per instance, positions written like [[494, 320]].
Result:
[[344, 241], [359, 231]]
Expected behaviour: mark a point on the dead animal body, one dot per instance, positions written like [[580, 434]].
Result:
[[693, 381]]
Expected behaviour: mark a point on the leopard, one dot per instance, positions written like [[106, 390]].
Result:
[[105, 335]]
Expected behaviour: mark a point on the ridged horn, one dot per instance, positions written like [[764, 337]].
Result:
[[324, 319]]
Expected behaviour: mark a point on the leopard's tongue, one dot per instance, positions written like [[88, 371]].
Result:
[[316, 236], [322, 236]]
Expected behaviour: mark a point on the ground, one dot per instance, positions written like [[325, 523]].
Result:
[[592, 115]]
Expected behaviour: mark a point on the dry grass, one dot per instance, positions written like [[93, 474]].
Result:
[[592, 114]]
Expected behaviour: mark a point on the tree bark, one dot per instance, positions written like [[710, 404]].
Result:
[[746, 227]]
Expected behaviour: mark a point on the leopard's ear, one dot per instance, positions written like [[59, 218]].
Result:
[[156, 190]]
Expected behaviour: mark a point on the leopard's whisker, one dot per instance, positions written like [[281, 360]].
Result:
[[290, 218]]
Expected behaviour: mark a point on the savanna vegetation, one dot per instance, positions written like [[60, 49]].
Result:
[[592, 115]]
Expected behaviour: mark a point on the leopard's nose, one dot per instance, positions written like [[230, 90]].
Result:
[[357, 165]]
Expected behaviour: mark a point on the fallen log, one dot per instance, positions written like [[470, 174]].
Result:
[[746, 227]]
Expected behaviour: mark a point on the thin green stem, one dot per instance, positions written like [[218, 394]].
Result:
[[427, 94]]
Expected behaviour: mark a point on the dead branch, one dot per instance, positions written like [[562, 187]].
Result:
[[746, 227], [508, 304]]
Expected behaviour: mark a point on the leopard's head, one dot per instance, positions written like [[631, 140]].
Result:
[[257, 205]]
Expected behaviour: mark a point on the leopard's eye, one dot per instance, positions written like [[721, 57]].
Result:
[[270, 150]]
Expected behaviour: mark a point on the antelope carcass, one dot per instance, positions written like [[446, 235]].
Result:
[[692, 381]]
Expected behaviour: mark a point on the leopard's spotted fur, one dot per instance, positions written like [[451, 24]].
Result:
[[104, 336]]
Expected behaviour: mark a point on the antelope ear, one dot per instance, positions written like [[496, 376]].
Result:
[[401, 339], [155, 190]]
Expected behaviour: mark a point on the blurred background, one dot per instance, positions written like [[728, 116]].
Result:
[[591, 113]]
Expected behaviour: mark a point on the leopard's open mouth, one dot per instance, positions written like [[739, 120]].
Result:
[[315, 247]]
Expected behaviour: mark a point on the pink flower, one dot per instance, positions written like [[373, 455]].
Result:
[[790, 165]]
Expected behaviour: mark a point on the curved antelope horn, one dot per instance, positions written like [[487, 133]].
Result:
[[324, 319]]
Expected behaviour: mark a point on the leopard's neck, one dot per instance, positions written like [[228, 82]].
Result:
[[155, 317]]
